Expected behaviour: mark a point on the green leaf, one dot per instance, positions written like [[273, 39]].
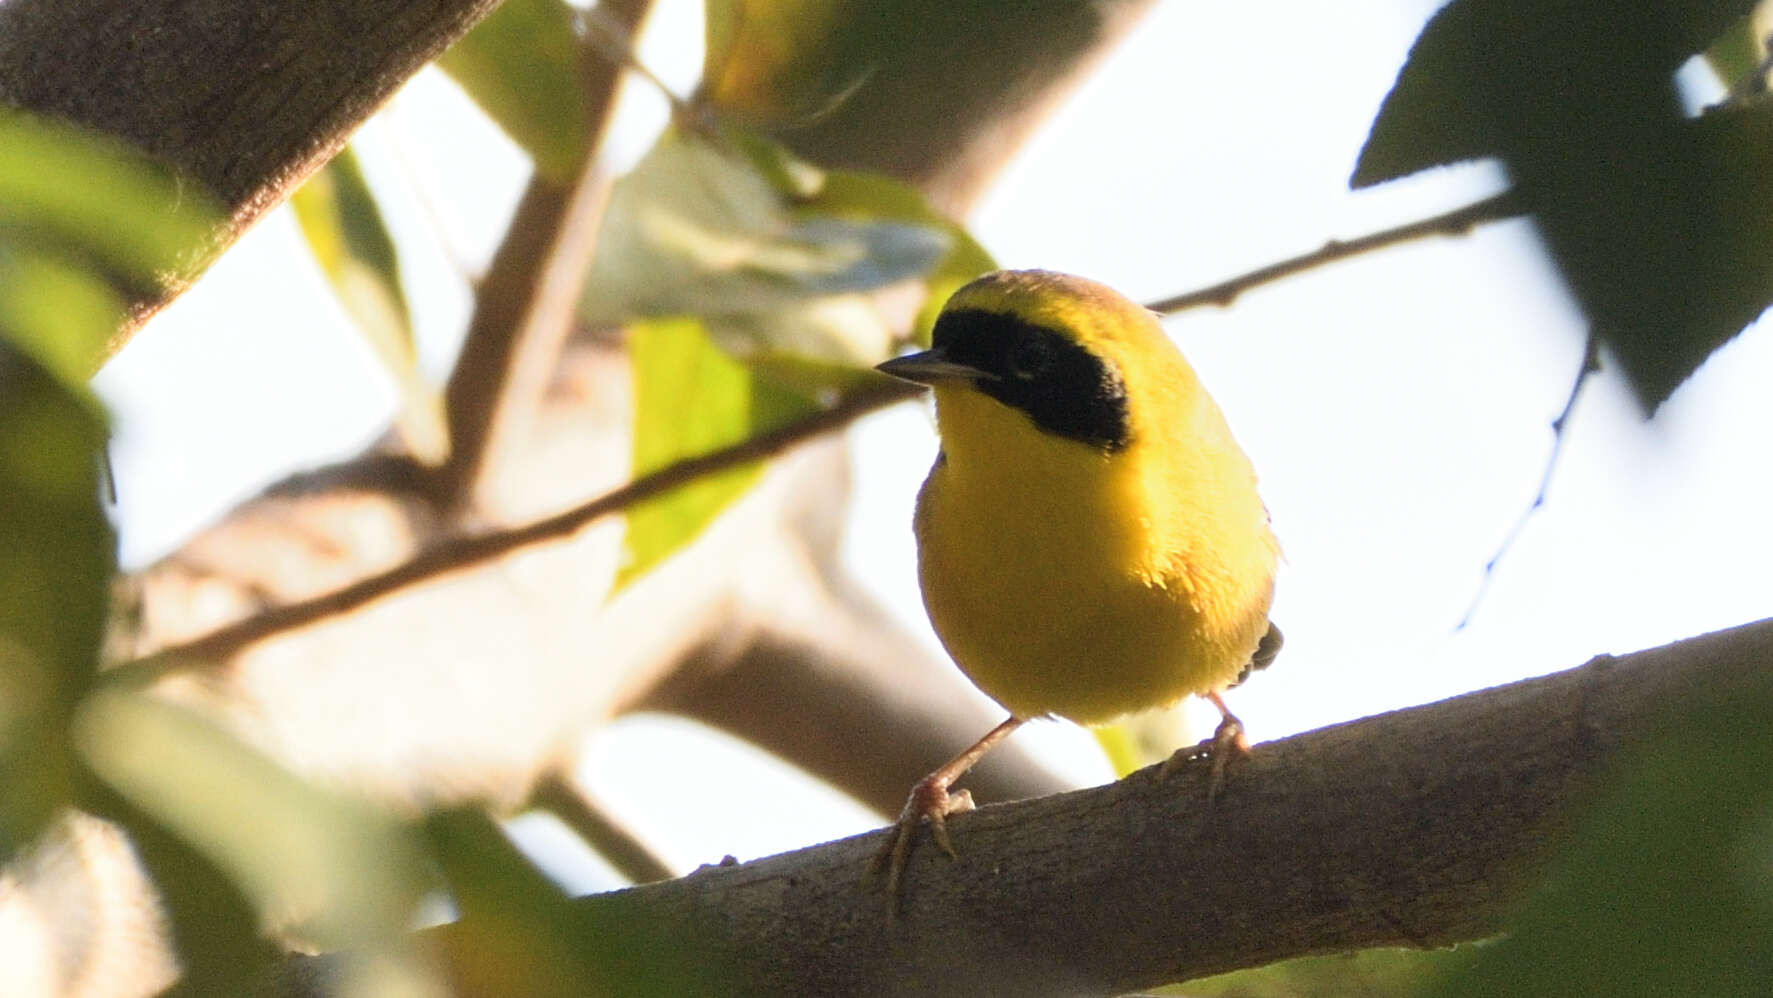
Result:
[[522, 66], [519, 936], [1642, 210], [78, 212], [214, 927], [1485, 74], [1666, 886], [780, 62], [1736, 53], [850, 194], [56, 559], [690, 398], [335, 870], [1372, 973], [702, 227], [350, 240]]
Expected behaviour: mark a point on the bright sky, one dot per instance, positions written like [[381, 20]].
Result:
[[1397, 406]]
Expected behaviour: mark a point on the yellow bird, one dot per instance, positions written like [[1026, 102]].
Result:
[[1090, 541]]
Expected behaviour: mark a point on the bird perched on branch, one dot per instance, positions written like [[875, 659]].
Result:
[[1090, 540]]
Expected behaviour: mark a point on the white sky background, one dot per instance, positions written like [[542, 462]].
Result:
[[1397, 406]]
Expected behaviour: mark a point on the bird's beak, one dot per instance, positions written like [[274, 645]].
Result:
[[930, 367]]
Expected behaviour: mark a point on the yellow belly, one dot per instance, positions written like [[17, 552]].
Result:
[[1056, 595]]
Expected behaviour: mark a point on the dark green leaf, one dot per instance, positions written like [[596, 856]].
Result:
[[521, 65], [350, 240], [1666, 889], [56, 559], [1638, 206], [776, 62], [1485, 75], [1736, 53], [691, 398]]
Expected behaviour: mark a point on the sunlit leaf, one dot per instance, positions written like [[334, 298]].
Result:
[[56, 558], [522, 66], [691, 398], [518, 936], [334, 870], [1666, 886], [701, 228], [350, 240], [77, 211], [1641, 209]]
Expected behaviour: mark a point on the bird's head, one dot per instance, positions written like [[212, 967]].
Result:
[[1060, 349]]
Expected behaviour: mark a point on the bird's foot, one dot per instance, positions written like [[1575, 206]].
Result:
[[1228, 742], [929, 799]]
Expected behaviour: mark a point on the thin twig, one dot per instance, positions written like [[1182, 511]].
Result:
[[1453, 223], [454, 555], [1591, 364]]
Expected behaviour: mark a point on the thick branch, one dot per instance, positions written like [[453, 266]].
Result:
[[245, 97], [1417, 827]]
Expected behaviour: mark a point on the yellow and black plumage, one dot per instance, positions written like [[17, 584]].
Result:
[[1090, 539]]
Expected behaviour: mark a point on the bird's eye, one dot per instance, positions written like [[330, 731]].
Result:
[[1028, 360]]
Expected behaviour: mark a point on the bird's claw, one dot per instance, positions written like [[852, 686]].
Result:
[[929, 799], [1228, 742]]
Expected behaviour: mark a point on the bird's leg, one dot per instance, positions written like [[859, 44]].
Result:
[[1228, 740], [930, 799]]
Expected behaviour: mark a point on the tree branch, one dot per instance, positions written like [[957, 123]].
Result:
[[1457, 222], [464, 552], [244, 97], [524, 307], [1418, 827]]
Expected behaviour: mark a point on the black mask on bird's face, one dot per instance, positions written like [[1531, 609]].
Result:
[[1063, 387]]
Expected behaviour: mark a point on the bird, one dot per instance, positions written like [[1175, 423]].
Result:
[[1090, 539]]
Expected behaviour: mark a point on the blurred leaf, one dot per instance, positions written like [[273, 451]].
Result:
[[1483, 72], [702, 228], [1144, 738], [518, 936], [1736, 53], [521, 65], [1372, 973], [77, 211], [849, 194], [1639, 207], [690, 398], [338, 215], [777, 62], [1666, 888], [56, 559], [60, 313], [337, 871], [215, 930]]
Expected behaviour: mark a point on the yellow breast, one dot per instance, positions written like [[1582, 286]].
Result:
[[1086, 584]]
